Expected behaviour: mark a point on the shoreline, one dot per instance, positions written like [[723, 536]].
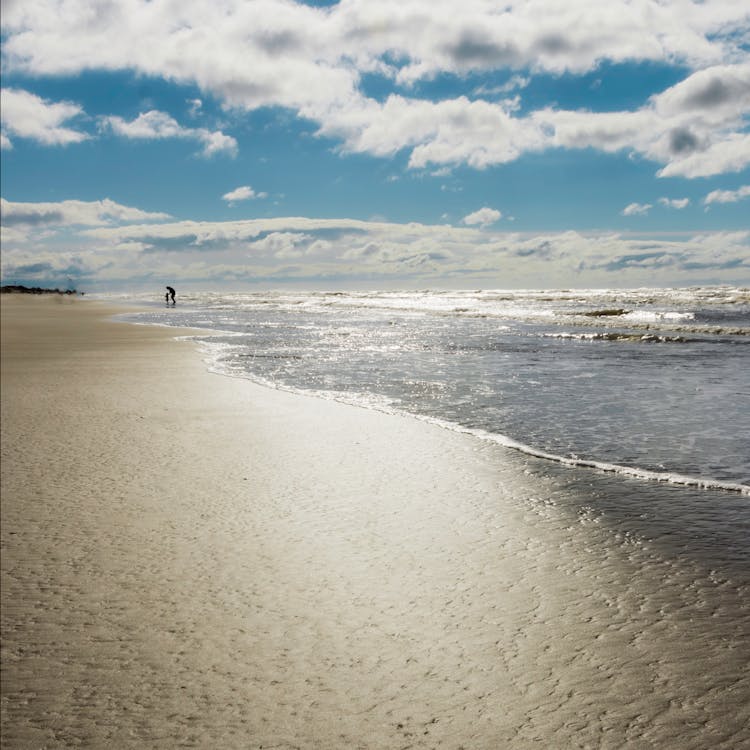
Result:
[[673, 476], [193, 560]]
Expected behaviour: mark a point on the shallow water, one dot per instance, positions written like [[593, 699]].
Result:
[[650, 382]]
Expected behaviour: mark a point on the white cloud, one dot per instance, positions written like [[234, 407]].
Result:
[[156, 125], [148, 125], [636, 209], [73, 213], [546, 35], [326, 252], [716, 94], [678, 203], [694, 128], [383, 250], [242, 193], [216, 142], [483, 217], [234, 41], [310, 60], [729, 155], [513, 84], [29, 116], [282, 244], [228, 232], [13, 236], [5, 142], [727, 196], [605, 131], [447, 132]]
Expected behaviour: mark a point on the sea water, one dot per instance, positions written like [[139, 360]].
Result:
[[628, 408], [653, 383]]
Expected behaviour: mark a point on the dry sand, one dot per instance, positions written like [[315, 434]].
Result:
[[190, 560]]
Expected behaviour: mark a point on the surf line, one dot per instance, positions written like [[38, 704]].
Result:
[[585, 463], [214, 365]]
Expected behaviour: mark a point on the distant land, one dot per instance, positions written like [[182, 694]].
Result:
[[20, 289]]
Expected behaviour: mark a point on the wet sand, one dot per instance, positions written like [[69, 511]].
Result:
[[190, 560]]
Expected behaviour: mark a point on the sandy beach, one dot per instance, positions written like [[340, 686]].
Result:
[[192, 560]]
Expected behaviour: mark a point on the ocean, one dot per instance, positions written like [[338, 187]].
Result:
[[629, 408], [651, 383]]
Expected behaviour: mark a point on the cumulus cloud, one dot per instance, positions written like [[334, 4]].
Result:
[[74, 213], [158, 125], [311, 60], [678, 203], [636, 209], [700, 123], [694, 128], [716, 93], [242, 193], [731, 154], [427, 38], [483, 217], [215, 142], [412, 39], [26, 115], [727, 196]]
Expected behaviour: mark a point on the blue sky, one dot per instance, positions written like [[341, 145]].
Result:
[[398, 143]]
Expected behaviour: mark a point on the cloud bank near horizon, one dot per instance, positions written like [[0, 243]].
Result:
[[117, 249]]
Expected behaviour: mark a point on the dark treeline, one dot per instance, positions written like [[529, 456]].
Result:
[[20, 289]]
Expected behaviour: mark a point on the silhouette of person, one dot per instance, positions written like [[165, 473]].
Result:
[[170, 293], [166, 297]]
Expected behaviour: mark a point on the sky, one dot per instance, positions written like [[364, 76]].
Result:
[[264, 144]]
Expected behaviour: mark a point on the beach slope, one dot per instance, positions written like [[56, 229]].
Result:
[[191, 560]]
